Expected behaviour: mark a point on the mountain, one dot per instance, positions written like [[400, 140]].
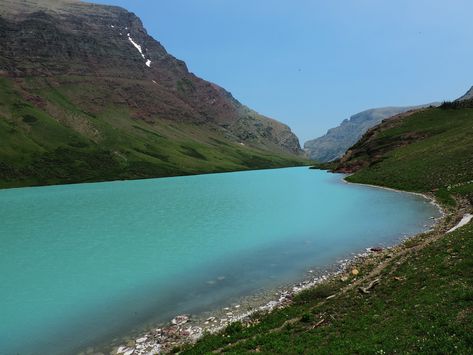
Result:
[[337, 140], [87, 95], [427, 150], [468, 95]]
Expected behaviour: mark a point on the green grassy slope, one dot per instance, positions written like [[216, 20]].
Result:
[[431, 150], [424, 300], [46, 138]]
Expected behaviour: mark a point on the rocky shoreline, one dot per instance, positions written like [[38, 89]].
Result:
[[186, 329]]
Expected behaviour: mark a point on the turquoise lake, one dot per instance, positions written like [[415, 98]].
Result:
[[82, 264]]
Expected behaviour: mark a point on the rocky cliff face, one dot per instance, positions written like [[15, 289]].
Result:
[[337, 140], [70, 41]]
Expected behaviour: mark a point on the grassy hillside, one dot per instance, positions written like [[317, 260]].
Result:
[[424, 300], [337, 140], [431, 150], [45, 138]]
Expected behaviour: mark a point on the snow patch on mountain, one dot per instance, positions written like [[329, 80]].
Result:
[[136, 45]]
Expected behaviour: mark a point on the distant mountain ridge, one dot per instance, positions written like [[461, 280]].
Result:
[[81, 81], [337, 140]]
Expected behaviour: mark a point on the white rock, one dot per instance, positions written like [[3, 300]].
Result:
[[141, 340]]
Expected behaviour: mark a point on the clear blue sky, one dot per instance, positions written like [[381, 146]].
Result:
[[313, 63]]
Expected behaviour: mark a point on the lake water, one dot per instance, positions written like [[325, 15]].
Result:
[[84, 263]]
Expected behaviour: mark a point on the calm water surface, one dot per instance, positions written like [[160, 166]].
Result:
[[84, 263]]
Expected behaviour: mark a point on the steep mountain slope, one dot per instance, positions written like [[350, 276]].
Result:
[[88, 95], [337, 140]]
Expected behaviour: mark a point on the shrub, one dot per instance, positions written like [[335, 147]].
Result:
[[29, 119], [234, 328], [317, 293]]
